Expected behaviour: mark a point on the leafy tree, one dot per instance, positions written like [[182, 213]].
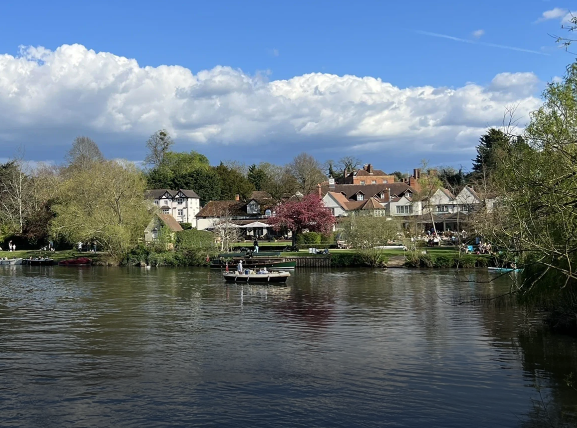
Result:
[[205, 182], [103, 203], [333, 170], [233, 183], [83, 153], [158, 145], [15, 196], [488, 151], [299, 215], [399, 175], [366, 232], [257, 176], [451, 178], [307, 172], [179, 170]]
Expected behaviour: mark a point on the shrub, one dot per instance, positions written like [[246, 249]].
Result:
[[193, 239], [374, 258], [426, 260], [443, 262], [311, 238], [346, 260], [467, 261], [328, 239]]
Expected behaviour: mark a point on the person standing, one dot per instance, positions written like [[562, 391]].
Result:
[[239, 267], [10, 246], [255, 243]]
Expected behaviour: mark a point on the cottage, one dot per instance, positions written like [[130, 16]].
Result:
[[162, 223], [182, 204]]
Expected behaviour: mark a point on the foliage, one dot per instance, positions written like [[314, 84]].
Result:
[[451, 178], [399, 175], [373, 257], [298, 215], [257, 176], [366, 232], [233, 183], [489, 152], [311, 238], [280, 183], [158, 145], [102, 203], [347, 259], [193, 239]]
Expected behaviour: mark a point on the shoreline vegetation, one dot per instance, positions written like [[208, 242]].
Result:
[[440, 257]]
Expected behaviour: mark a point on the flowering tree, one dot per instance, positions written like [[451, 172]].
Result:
[[308, 213]]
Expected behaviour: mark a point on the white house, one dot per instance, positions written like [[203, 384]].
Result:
[[181, 204]]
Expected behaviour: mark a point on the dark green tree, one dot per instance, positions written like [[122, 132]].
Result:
[[488, 150], [257, 176], [233, 183]]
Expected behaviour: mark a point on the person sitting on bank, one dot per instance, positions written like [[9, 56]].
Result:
[[255, 243]]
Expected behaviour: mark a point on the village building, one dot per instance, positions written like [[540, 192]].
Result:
[[251, 215], [162, 223], [182, 204], [367, 175]]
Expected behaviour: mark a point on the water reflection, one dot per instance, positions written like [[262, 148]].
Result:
[[138, 347]]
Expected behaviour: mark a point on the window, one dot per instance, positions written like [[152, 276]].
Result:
[[180, 201], [360, 197], [442, 208], [156, 202], [465, 208], [362, 183], [404, 209], [165, 210], [166, 202], [385, 181], [374, 182], [180, 212]]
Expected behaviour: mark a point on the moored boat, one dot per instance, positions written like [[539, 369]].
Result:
[[40, 261], [79, 261], [254, 277], [15, 261], [504, 269]]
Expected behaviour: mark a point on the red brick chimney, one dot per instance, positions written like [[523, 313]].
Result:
[[320, 191], [369, 168]]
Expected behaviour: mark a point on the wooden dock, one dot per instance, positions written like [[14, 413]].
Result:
[[310, 261]]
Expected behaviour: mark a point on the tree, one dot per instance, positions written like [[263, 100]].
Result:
[[233, 183], [349, 163], [399, 175], [15, 196], [366, 232], [429, 183], [488, 150], [332, 169], [257, 176], [83, 153], [158, 145], [307, 172], [104, 203], [299, 215], [280, 183], [205, 182], [451, 178]]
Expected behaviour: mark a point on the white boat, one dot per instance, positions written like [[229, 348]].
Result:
[[16, 261], [251, 276], [504, 269]]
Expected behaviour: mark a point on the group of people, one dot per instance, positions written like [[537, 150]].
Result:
[[11, 246], [89, 247]]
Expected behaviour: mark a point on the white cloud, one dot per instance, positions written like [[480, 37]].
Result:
[[45, 95], [478, 33], [558, 13]]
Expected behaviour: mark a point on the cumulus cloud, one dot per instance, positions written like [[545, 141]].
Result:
[[557, 13], [478, 33], [73, 90]]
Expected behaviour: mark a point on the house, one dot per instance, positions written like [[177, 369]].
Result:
[[164, 222], [237, 213], [182, 204], [367, 175], [340, 206]]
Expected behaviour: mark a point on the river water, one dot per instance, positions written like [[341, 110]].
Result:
[[177, 347]]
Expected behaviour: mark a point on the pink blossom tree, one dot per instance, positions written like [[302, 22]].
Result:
[[307, 214]]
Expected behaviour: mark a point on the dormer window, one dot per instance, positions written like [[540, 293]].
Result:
[[362, 182], [253, 208], [360, 197]]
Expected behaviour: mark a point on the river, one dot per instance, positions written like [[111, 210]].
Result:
[[334, 348]]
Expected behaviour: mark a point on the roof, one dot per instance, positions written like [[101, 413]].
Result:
[[232, 208], [260, 194], [368, 204], [340, 198], [447, 192], [364, 173], [371, 190], [158, 193], [170, 222], [372, 204]]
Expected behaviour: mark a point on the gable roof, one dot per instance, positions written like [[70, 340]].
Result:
[[372, 204], [340, 199], [260, 194], [447, 193], [232, 208], [170, 222], [371, 190], [158, 193]]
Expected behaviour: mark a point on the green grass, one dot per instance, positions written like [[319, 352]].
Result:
[[262, 244], [56, 255]]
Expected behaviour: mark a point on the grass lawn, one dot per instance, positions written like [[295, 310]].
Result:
[[262, 244], [56, 255]]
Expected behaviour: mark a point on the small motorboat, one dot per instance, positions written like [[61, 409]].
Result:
[[40, 261], [256, 277], [79, 261], [11, 262], [504, 269]]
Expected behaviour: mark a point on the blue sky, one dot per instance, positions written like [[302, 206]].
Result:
[[240, 112]]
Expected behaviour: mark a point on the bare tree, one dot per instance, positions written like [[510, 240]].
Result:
[[15, 194], [307, 172], [83, 153], [158, 144], [349, 163]]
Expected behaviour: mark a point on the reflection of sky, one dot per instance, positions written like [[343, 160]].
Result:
[[149, 347]]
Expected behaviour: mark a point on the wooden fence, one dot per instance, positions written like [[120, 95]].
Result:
[[310, 261]]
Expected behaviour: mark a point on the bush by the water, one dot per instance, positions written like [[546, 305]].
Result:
[[426, 260]]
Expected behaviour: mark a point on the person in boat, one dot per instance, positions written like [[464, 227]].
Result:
[[255, 244], [263, 270], [239, 267]]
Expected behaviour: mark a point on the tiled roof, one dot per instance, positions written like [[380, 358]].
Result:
[[170, 222], [157, 193], [365, 173], [370, 190], [372, 204], [231, 208], [260, 194]]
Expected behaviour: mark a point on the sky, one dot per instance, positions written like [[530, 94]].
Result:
[[392, 83]]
